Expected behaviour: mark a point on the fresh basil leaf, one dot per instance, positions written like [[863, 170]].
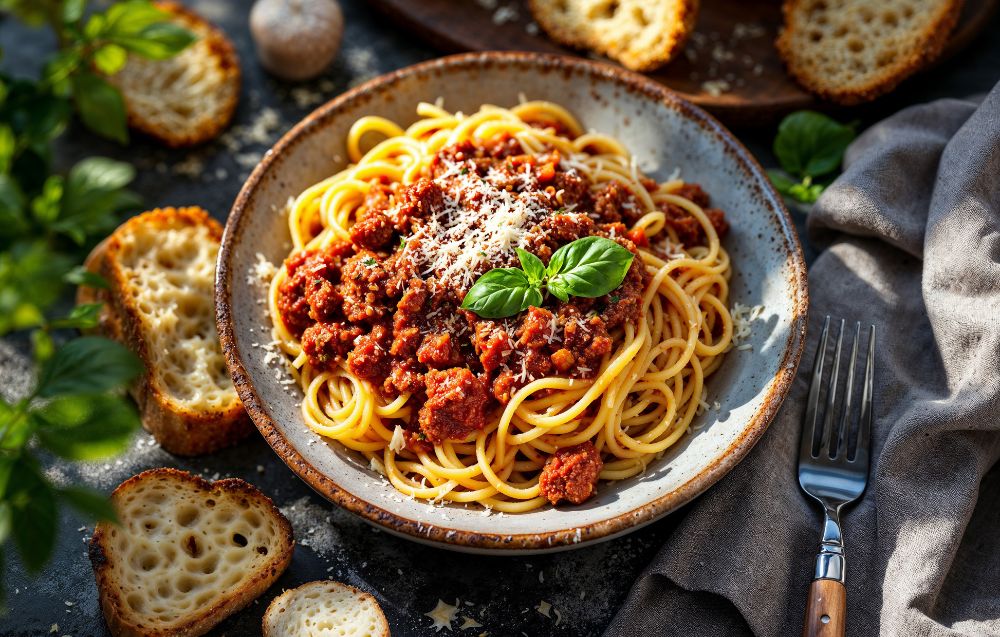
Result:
[[34, 113], [95, 26], [87, 426], [805, 193], [82, 317], [80, 275], [110, 58], [93, 505], [558, 289], [557, 261], [6, 461], [589, 267], [31, 167], [100, 106], [501, 292], [131, 17], [15, 428], [73, 10], [31, 280], [33, 513], [93, 191], [42, 346], [13, 223], [532, 266], [810, 144], [97, 174], [8, 146], [45, 207], [89, 364], [57, 70], [157, 41]]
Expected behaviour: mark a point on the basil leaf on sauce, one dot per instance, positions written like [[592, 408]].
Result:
[[588, 268], [532, 266], [502, 292]]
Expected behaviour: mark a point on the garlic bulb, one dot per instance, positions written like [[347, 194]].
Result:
[[296, 39]]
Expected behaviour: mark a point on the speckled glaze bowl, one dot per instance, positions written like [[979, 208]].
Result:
[[665, 133]]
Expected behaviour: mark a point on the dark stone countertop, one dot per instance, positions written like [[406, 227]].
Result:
[[586, 585]]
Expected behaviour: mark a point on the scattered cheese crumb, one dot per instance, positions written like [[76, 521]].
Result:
[[544, 608], [468, 622], [442, 615], [376, 465], [398, 442], [743, 316]]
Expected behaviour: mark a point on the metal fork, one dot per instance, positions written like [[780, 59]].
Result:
[[833, 476]]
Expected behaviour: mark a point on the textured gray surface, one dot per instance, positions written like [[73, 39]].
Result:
[[913, 228], [586, 585]]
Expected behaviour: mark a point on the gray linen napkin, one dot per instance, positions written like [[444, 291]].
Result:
[[913, 235]]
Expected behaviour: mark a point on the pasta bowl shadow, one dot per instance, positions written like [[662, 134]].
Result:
[[664, 132]]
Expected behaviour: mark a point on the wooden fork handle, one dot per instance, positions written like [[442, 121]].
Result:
[[826, 610]]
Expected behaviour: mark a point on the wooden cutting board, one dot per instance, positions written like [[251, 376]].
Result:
[[729, 66]]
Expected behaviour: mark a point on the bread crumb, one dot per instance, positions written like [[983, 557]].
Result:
[[715, 88]]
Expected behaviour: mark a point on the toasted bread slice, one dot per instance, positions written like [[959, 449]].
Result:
[[325, 609], [160, 267], [188, 553], [186, 99], [641, 34], [851, 51]]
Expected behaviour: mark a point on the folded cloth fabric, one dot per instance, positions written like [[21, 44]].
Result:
[[912, 230]]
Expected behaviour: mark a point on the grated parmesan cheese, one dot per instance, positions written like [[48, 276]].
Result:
[[376, 465], [262, 270], [468, 622], [743, 316], [398, 442], [442, 615], [479, 224]]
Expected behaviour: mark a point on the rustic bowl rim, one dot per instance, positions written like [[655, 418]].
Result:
[[440, 534]]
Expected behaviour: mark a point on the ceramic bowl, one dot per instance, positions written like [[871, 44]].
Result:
[[665, 133]]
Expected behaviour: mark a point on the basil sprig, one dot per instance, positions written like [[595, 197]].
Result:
[[810, 147], [588, 268]]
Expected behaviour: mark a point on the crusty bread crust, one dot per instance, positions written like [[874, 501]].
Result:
[[284, 616], [178, 427], [642, 35], [106, 560], [851, 52], [151, 86]]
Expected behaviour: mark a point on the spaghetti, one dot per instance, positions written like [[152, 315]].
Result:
[[508, 413]]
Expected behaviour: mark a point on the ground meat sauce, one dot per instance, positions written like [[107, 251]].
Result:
[[396, 320], [571, 473]]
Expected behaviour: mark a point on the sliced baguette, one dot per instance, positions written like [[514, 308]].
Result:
[[851, 51], [640, 34], [160, 267], [189, 98], [325, 609], [187, 554]]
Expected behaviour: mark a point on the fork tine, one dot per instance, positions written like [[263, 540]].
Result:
[[865, 427], [812, 403], [831, 399], [845, 411]]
